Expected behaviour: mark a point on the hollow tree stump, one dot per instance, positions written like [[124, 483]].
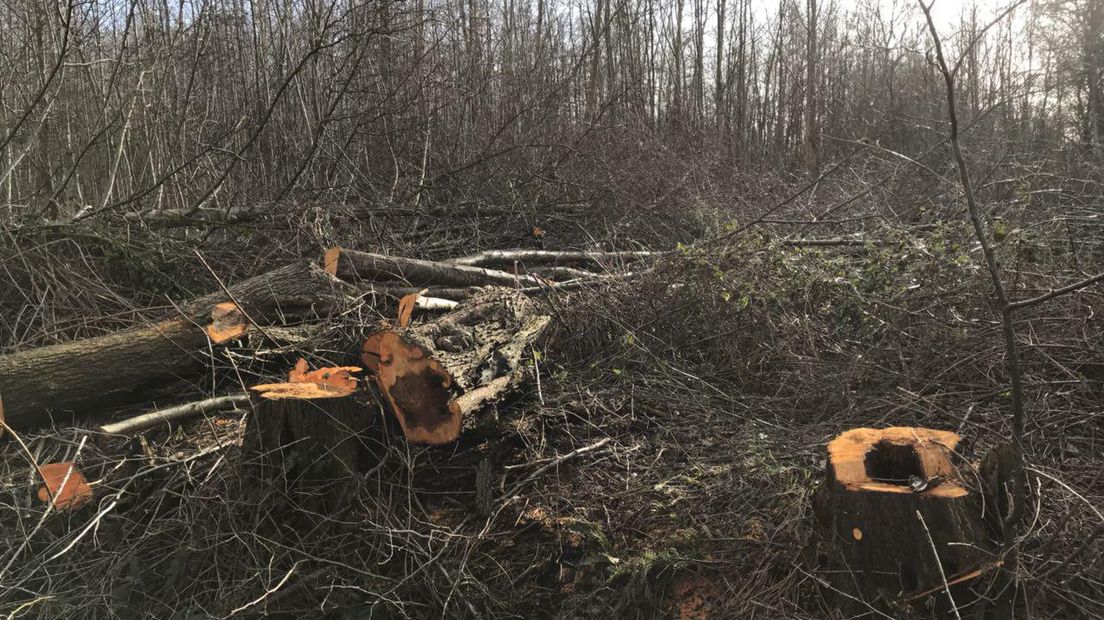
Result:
[[310, 436], [892, 501], [435, 375]]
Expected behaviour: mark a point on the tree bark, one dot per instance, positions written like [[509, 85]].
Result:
[[435, 375], [352, 265], [171, 415], [49, 384], [895, 519], [310, 439], [548, 257]]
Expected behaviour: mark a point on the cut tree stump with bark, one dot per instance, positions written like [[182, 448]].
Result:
[[435, 375], [310, 436], [896, 519], [48, 384]]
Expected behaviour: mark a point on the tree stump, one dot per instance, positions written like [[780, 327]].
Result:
[[434, 375], [310, 436], [896, 521]]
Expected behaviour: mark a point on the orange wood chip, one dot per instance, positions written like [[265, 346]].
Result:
[[75, 492], [335, 376], [406, 308], [228, 322], [330, 260]]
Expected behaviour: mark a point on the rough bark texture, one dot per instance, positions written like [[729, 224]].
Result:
[[434, 375], [533, 258], [48, 384], [298, 290], [352, 265], [883, 487], [311, 447]]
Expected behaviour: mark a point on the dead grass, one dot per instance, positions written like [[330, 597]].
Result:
[[716, 379]]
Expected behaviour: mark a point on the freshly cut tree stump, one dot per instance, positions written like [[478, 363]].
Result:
[[435, 375], [896, 519], [309, 435]]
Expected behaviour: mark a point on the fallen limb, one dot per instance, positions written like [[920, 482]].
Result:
[[172, 415], [549, 257], [352, 265]]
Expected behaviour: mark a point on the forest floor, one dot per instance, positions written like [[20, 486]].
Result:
[[662, 466]]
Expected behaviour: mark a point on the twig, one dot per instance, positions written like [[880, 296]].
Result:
[[939, 565], [268, 591], [172, 414], [558, 461], [1024, 303]]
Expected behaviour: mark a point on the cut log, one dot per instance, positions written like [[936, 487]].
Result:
[[549, 257], [48, 384], [434, 375], [310, 437], [351, 265], [298, 290], [895, 517]]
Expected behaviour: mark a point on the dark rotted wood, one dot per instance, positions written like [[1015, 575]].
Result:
[[434, 375], [882, 487]]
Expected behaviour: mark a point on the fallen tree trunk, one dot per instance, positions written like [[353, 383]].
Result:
[[549, 257], [435, 375], [352, 265], [895, 519], [48, 384]]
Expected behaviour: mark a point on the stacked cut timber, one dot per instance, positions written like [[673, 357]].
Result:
[[50, 384], [310, 435], [436, 375], [897, 522]]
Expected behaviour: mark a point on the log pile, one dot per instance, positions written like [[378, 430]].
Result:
[[434, 375]]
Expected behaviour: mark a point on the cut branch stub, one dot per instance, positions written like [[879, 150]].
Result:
[[886, 490], [228, 322], [416, 386]]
